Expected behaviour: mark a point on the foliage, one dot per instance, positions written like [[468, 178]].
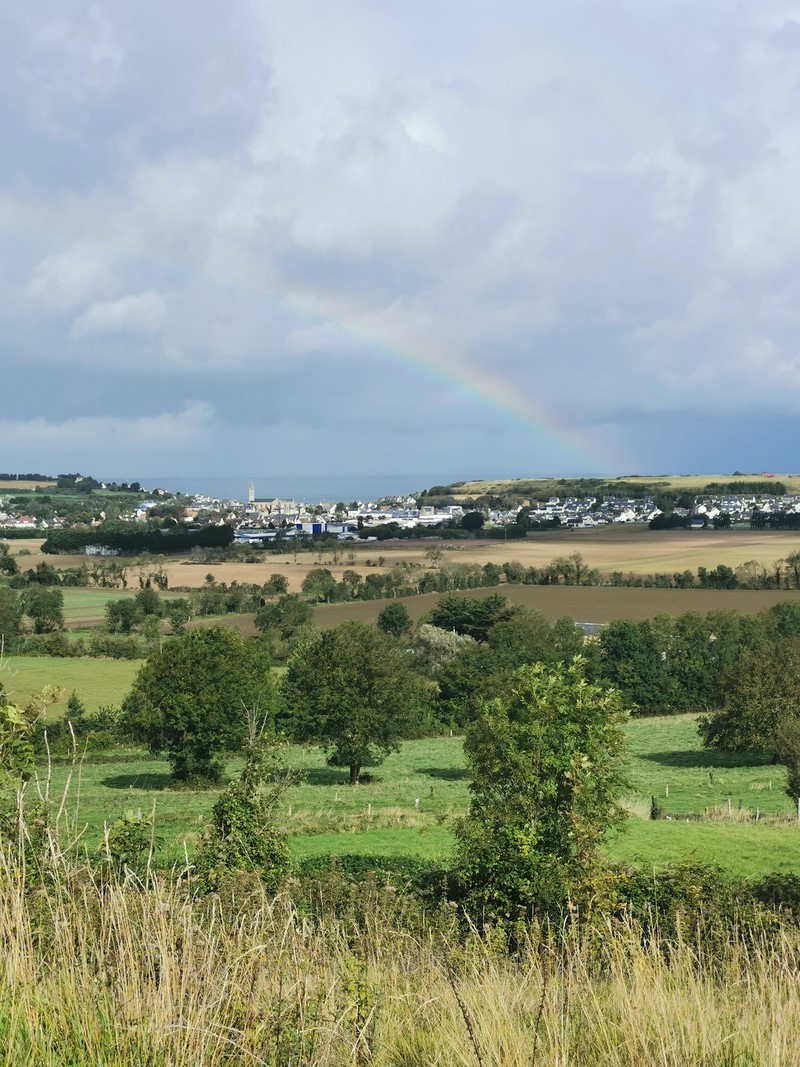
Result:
[[759, 695], [286, 616], [545, 766], [243, 837], [319, 584], [178, 612], [473, 521], [10, 613], [189, 699], [352, 691], [394, 620], [132, 538], [128, 844], [122, 615], [46, 607], [471, 616], [276, 585]]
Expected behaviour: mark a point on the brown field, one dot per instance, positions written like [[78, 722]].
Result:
[[607, 548], [583, 604], [677, 482]]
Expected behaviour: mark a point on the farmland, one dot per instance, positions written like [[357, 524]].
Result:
[[627, 548], [689, 483]]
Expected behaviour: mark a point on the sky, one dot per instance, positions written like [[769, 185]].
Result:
[[444, 236]]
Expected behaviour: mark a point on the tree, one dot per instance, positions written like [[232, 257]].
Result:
[[275, 585], [45, 606], [470, 615], [788, 752], [286, 616], [179, 612], [10, 613], [759, 695], [121, 615], [148, 602], [394, 620], [189, 699], [8, 565], [545, 763], [472, 521], [632, 659], [319, 584], [243, 835], [352, 692]]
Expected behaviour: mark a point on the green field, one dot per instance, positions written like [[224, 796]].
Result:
[[97, 682], [409, 807], [89, 604]]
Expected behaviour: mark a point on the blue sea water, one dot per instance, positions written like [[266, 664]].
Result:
[[332, 488]]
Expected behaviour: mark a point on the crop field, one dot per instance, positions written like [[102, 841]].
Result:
[[17, 485], [582, 603], [610, 548]]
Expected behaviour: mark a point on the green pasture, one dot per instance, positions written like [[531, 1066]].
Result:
[[97, 682], [409, 807], [89, 603], [668, 762]]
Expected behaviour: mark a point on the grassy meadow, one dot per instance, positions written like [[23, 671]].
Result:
[[98, 682], [89, 605], [717, 808]]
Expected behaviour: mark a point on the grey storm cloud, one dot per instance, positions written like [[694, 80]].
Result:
[[328, 224]]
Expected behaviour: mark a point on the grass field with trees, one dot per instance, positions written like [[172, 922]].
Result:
[[465, 806]]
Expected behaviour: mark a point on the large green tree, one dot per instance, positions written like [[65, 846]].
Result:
[[46, 607], [353, 692], [759, 695], [191, 698], [545, 760]]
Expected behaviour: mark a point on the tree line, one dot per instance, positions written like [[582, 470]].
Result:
[[134, 538]]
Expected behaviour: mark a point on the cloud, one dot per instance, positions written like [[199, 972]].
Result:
[[596, 208], [65, 280], [97, 441], [142, 315]]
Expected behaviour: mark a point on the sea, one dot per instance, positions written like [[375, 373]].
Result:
[[311, 489]]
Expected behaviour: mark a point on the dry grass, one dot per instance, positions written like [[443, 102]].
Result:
[[126, 975]]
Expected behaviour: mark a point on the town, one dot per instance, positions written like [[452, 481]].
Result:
[[264, 519]]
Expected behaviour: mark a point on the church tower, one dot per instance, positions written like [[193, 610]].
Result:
[[251, 493]]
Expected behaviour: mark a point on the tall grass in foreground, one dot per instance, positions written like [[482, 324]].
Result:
[[124, 973]]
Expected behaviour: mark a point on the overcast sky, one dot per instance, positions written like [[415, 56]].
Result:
[[442, 236]]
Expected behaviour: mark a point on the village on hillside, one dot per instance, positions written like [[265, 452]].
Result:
[[262, 519]]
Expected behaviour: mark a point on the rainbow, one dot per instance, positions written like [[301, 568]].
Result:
[[407, 348], [396, 342]]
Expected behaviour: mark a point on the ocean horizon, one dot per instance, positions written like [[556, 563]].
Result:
[[311, 489]]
